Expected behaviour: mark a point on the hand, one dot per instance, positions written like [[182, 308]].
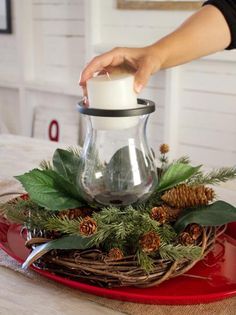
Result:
[[143, 62]]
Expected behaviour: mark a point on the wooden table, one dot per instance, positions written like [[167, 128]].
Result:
[[19, 294], [23, 295]]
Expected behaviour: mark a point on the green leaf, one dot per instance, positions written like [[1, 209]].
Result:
[[176, 174], [64, 185], [44, 191], [67, 164], [216, 214], [69, 242]]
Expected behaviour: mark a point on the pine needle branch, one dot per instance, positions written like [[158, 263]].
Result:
[[213, 177], [183, 160], [145, 261], [178, 252], [63, 225]]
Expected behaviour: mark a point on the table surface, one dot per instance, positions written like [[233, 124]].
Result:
[[21, 295]]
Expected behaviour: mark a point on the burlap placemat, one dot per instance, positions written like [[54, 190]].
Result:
[[224, 307]]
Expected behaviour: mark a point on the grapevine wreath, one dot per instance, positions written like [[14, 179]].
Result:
[[140, 245]]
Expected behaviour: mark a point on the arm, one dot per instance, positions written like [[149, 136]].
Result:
[[205, 32]]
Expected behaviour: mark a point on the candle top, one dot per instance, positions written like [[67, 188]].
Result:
[[111, 77]]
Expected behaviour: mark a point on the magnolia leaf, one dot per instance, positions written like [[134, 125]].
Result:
[[67, 164], [64, 185], [216, 214], [176, 174], [69, 242], [43, 190]]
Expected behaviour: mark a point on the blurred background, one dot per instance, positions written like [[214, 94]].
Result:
[[50, 42]]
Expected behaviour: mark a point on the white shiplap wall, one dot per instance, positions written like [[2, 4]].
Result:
[[40, 62], [59, 40], [9, 52], [208, 112], [9, 109]]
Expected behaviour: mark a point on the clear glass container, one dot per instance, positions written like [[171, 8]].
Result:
[[118, 166]]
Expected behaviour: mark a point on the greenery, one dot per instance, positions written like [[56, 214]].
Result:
[[54, 188], [145, 261], [176, 174], [213, 177], [178, 252], [50, 190], [218, 213]]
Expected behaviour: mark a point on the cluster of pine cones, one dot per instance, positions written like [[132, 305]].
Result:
[[179, 198]]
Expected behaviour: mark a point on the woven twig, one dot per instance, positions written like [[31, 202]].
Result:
[[95, 267]]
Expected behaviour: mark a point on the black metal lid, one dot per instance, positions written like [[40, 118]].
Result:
[[148, 108]]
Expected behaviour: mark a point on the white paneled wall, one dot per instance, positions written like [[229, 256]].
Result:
[[137, 27], [156, 92], [41, 61], [9, 109], [9, 58], [59, 37], [207, 121]]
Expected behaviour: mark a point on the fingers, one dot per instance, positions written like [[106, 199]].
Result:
[[114, 57], [143, 74], [128, 59]]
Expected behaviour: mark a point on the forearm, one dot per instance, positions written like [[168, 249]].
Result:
[[203, 33]]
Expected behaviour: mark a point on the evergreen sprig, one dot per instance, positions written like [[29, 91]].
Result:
[[27, 212], [183, 159], [213, 177], [145, 261], [63, 225], [178, 252]]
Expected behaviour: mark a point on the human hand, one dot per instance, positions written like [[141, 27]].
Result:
[[143, 62]]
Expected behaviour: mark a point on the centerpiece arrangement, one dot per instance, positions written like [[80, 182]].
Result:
[[108, 214], [142, 244]]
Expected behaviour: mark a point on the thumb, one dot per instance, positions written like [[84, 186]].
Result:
[[142, 75]]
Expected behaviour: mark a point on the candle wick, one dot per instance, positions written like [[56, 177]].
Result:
[[108, 75]]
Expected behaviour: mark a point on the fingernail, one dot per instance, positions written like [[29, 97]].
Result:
[[85, 100], [138, 87]]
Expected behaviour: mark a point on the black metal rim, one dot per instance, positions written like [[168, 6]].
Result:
[[147, 108]]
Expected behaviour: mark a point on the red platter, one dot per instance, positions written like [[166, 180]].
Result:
[[210, 280]]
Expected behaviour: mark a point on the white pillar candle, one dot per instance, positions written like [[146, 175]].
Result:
[[114, 91]]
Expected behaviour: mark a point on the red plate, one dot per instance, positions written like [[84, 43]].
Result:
[[215, 276]]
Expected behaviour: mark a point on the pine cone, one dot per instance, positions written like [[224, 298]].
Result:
[[173, 214], [159, 214], [186, 239], [164, 148], [115, 254], [194, 230], [164, 214], [149, 242], [184, 196], [72, 214], [88, 226]]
